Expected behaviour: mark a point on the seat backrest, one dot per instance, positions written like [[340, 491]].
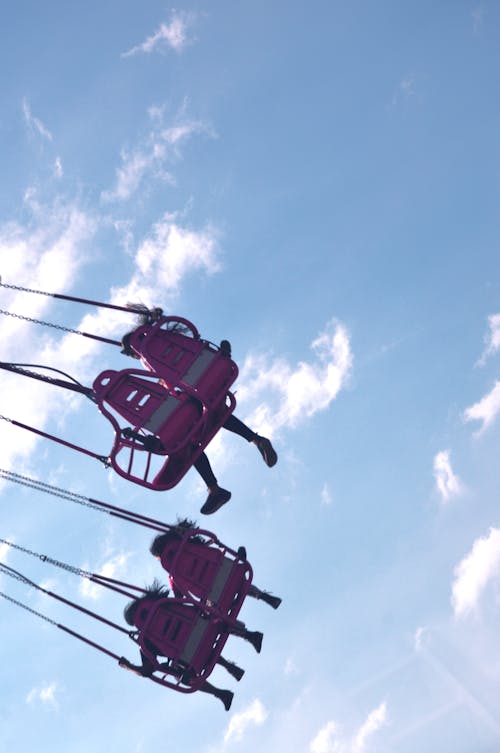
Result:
[[180, 632], [194, 568], [185, 362], [145, 403], [205, 572], [167, 624]]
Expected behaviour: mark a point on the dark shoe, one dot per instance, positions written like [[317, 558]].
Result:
[[273, 601], [255, 639], [215, 500], [225, 348], [267, 451], [234, 670], [242, 553], [227, 698]]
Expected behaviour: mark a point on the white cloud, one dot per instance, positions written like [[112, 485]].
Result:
[[172, 35], [34, 124], [375, 720], [149, 158], [171, 251], [293, 395], [330, 740], [492, 339], [447, 483], [486, 410], [475, 571], [420, 638], [109, 569], [44, 256], [326, 495], [325, 742], [405, 90], [45, 694], [290, 667], [5, 550], [130, 174], [254, 714], [477, 18], [58, 168]]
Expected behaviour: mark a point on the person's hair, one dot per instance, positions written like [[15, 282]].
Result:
[[153, 592], [182, 525], [143, 313], [127, 349], [159, 542]]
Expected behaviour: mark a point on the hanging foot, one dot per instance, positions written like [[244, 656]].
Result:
[[216, 498], [267, 451]]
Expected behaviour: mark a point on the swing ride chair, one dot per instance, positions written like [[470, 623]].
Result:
[[184, 360], [191, 639], [189, 635], [173, 413], [163, 422], [210, 573]]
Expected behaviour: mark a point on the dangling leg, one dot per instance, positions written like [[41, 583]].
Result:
[[256, 593], [231, 667], [216, 495], [263, 445], [252, 636], [226, 696]]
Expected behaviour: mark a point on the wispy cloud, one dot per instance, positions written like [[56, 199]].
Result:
[[34, 124], [419, 638], [254, 714], [492, 339], [44, 694], [172, 251], [150, 158], [58, 168], [374, 721], [326, 495], [326, 739], [172, 35], [295, 394], [477, 19], [113, 566], [486, 410], [475, 571], [5, 550], [405, 90], [330, 739], [291, 667], [448, 484], [45, 255]]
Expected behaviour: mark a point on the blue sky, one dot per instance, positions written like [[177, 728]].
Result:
[[317, 183]]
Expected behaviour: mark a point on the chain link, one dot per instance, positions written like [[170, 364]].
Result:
[[56, 491], [24, 290], [45, 558], [39, 321], [18, 369], [28, 609]]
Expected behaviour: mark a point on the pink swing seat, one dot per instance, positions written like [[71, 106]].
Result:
[[191, 640], [184, 361], [168, 430], [208, 572]]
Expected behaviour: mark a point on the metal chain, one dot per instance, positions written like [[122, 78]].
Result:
[[24, 290], [18, 369], [28, 609], [48, 489], [18, 576], [45, 324], [45, 558]]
